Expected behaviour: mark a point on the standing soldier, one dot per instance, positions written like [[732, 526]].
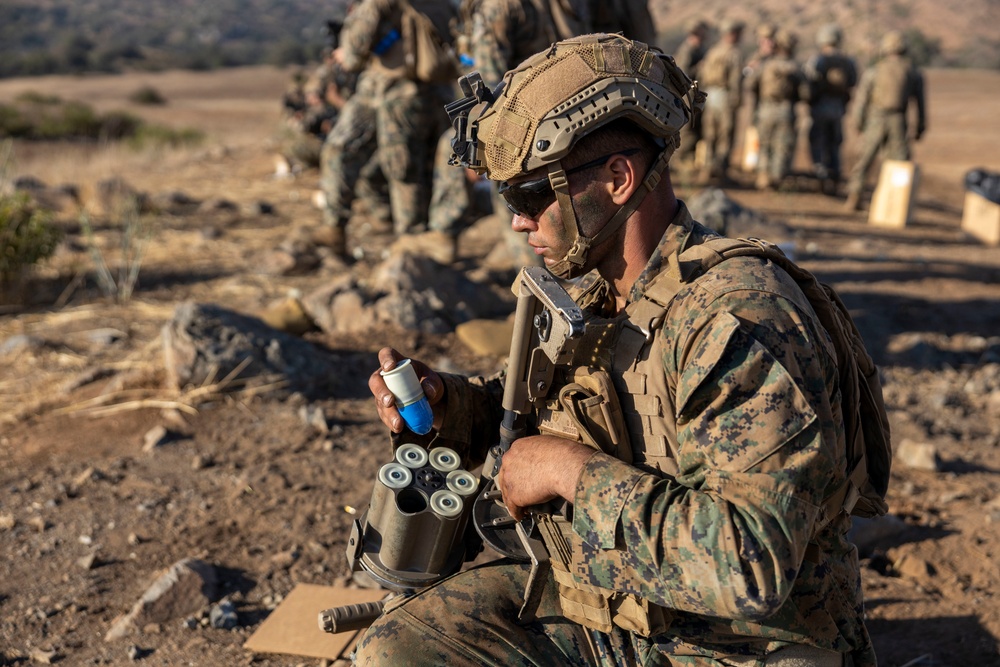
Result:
[[688, 57], [777, 85], [722, 77], [884, 95], [629, 17], [832, 77], [395, 113], [495, 36], [765, 47]]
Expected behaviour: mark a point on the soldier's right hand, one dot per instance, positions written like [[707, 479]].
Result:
[[430, 382]]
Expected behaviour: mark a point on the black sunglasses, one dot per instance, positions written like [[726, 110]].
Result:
[[529, 198]]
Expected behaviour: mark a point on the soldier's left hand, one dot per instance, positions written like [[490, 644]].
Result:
[[540, 468]]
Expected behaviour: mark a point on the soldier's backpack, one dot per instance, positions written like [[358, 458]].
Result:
[[890, 90], [778, 80], [428, 57], [866, 424]]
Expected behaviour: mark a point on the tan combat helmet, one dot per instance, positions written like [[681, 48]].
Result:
[[545, 105], [786, 41], [829, 34], [893, 43]]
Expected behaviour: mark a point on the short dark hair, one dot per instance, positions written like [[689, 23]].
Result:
[[615, 137]]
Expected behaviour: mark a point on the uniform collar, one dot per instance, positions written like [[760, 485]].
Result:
[[674, 240]]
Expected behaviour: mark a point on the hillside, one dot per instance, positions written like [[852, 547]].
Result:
[[49, 36], [964, 30], [70, 36]]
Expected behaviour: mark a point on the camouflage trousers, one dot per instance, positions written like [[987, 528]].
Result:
[[302, 149], [470, 619], [349, 167], [884, 132], [826, 134], [451, 197], [394, 123], [718, 130], [776, 126]]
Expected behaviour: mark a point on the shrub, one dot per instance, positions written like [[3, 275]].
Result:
[[158, 136], [26, 236], [147, 95]]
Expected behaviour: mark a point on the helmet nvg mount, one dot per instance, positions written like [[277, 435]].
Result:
[[535, 116]]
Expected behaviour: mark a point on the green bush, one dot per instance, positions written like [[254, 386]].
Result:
[[157, 136], [13, 123], [147, 95], [26, 236]]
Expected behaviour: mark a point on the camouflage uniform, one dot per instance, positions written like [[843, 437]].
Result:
[[776, 85], [629, 17], [688, 57], [350, 168], [404, 115], [502, 33], [884, 95], [715, 522], [722, 80], [307, 116], [832, 77]]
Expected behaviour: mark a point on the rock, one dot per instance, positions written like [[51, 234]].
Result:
[[223, 616], [286, 559], [917, 455], [289, 316], [283, 262], [339, 306], [201, 461], [312, 415], [43, 656], [205, 341], [105, 337], [155, 437], [258, 208], [182, 590], [175, 203], [713, 208], [7, 522], [217, 204], [88, 562], [21, 343], [878, 533], [486, 337], [436, 245], [39, 524], [415, 311], [914, 567]]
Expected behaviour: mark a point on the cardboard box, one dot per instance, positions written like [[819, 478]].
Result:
[[751, 149], [293, 627], [894, 194], [981, 218]]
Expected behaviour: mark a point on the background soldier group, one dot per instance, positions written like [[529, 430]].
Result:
[[385, 139]]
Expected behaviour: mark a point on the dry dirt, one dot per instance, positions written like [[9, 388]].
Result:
[[251, 487]]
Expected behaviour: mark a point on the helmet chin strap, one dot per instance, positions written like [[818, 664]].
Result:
[[572, 264]]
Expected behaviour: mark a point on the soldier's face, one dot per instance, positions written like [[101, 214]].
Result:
[[537, 213]]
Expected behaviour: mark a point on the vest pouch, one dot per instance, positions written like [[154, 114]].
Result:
[[590, 402]]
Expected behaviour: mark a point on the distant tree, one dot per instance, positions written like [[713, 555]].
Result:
[[75, 53]]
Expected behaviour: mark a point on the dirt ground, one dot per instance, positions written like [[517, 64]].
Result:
[[249, 486]]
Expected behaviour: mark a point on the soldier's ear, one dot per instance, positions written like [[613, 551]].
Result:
[[625, 177]]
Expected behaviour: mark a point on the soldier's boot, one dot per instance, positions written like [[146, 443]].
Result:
[[333, 237]]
